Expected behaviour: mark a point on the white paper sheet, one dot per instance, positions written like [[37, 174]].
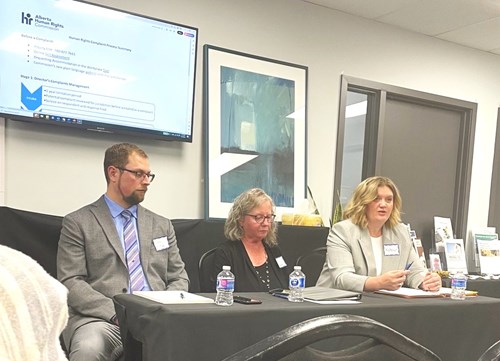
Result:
[[173, 297]]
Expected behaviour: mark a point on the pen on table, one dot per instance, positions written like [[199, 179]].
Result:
[[280, 295], [408, 266]]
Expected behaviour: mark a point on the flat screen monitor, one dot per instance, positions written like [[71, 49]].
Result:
[[76, 64]]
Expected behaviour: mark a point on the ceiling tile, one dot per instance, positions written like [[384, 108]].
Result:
[[480, 36], [472, 23], [432, 17], [365, 8]]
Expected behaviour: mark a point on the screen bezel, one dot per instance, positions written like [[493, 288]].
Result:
[[101, 127]]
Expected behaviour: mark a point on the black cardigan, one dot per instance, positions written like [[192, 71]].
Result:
[[233, 253]]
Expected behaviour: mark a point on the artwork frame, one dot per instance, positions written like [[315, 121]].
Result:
[[255, 129]]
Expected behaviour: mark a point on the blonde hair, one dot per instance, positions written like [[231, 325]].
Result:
[[243, 204], [365, 193]]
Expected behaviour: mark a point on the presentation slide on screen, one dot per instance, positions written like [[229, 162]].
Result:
[[93, 64]]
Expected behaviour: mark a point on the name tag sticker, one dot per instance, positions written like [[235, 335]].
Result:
[[391, 249], [161, 243], [281, 262]]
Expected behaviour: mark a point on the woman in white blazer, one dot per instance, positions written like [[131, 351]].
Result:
[[371, 249]]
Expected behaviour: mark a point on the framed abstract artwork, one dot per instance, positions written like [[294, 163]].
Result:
[[254, 129]]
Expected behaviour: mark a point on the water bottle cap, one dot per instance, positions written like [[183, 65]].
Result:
[[226, 268], [297, 268]]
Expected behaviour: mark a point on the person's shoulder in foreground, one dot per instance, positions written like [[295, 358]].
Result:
[[33, 310]]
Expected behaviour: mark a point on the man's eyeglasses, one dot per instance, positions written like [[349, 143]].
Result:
[[260, 218], [138, 174]]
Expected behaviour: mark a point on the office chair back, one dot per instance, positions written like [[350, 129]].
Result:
[[379, 342], [312, 264], [492, 353], [205, 270]]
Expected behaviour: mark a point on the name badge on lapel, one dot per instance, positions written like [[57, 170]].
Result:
[[161, 243], [391, 249], [281, 262]]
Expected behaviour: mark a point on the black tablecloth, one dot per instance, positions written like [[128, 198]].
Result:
[[454, 330]]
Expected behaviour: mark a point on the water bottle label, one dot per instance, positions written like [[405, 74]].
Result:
[[458, 283], [227, 284], [297, 282]]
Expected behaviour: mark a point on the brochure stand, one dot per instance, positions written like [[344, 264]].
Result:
[[443, 231], [472, 247], [488, 253], [455, 256]]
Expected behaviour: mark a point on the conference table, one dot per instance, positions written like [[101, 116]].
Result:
[[152, 331]]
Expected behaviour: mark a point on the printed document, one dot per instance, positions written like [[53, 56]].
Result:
[[173, 297]]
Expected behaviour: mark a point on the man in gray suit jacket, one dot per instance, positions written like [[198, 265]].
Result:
[[92, 262]]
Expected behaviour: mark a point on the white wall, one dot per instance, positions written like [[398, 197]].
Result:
[[55, 171], [2, 161]]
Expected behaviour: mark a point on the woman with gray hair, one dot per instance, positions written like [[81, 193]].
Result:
[[370, 249], [251, 248]]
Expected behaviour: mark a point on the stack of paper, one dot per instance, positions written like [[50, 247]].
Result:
[[406, 292], [173, 297], [414, 293], [329, 295]]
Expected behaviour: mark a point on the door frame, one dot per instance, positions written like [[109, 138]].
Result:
[[495, 180], [374, 137]]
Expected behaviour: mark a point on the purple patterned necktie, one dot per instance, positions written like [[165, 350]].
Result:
[[132, 253]]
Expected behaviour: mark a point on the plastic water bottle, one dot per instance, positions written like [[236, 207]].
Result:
[[458, 286], [225, 287], [296, 284]]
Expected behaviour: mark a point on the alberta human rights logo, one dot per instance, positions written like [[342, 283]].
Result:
[[40, 21]]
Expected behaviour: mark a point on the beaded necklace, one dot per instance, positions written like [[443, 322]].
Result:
[[267, 280]]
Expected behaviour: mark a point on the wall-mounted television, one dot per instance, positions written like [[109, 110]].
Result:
[[77, 64]]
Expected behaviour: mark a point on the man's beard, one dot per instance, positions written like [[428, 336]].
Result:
[[135, 198]]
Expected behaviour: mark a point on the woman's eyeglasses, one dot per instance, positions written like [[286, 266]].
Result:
[[258, 218]]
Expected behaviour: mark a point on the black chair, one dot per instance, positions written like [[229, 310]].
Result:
[[492, 353], [375, 341], [312, 264], [205, 269]]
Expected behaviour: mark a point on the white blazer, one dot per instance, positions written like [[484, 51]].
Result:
[[350, 259]]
